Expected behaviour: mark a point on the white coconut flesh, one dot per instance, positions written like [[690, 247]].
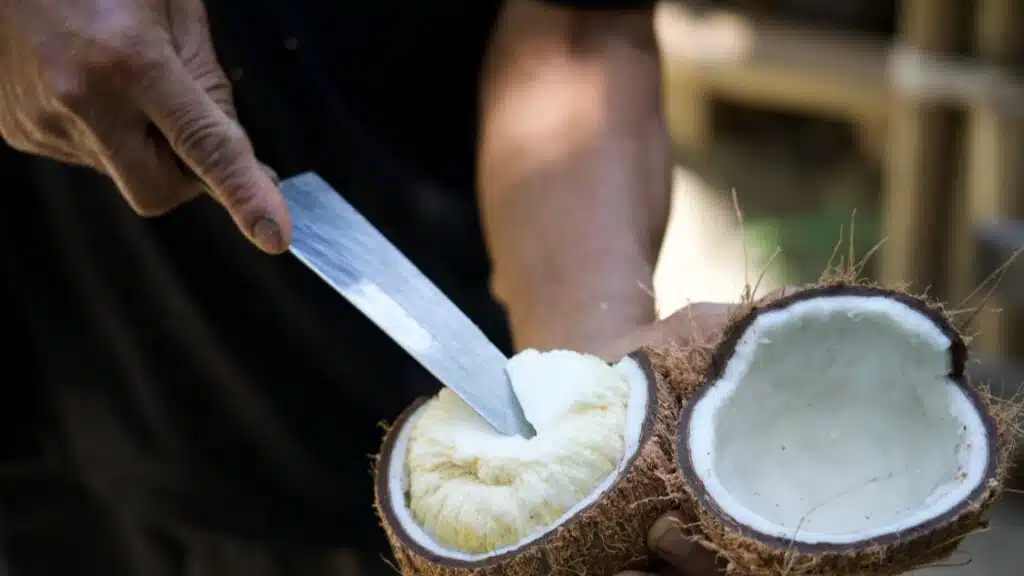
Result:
[[835, 421], [463, 491]]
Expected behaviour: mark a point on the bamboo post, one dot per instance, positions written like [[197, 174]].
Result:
[[921, 155], [995, 140]]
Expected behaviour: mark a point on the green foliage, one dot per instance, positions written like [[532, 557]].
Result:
[[808, 240]]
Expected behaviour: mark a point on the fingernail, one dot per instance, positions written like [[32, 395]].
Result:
[[669, 540], [267, 235]]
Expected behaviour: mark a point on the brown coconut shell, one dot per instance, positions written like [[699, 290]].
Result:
[[606, 537], [752, 553]]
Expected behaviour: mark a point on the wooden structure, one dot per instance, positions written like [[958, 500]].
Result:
[[996, 159], [940, 105]]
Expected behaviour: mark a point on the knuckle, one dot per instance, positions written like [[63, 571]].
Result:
[[116, 38], [63, 80], [208, 74], [238, 190], [124, 49], [204, 138], [149, 205], [26, 141], [155, 193], [12, 137], [154, 205], [217, 147], [21, 144], [70, 91], [151, 210], [220, 91]]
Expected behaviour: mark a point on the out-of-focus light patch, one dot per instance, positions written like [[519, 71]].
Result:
[[702, 257], [713, 37]]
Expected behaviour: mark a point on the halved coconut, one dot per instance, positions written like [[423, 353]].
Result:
[[456, 497], [836, 433]]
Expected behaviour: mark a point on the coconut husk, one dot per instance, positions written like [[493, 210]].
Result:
[[608, 536], [611, 534], [745, 553]]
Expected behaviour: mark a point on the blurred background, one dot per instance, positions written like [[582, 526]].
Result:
[[908, 112]]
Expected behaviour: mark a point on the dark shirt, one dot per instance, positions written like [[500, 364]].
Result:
[[185, 376]]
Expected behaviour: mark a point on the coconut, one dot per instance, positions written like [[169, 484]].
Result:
[[456, 497], [829, 432], [835, 432]]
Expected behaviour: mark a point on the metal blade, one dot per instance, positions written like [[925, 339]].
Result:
[[351, 255]]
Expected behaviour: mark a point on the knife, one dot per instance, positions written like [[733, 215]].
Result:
[[342, 247]]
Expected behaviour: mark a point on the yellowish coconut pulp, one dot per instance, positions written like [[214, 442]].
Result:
[[471, 490]]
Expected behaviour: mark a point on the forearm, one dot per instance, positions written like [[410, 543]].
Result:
[[574, 174]]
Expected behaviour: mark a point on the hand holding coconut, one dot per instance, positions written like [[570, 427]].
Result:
[[748, 441]]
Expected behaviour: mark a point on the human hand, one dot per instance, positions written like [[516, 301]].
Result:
[[680, 555], [133, 89], [695, 323]]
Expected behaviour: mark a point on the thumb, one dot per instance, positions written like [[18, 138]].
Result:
[[694, 323], [666, 538], [216, 148], [701, 321]]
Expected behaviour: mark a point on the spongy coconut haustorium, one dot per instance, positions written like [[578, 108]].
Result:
[[836, 433], [456, 497]]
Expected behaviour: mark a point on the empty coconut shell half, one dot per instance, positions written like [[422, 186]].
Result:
[[836, 433]]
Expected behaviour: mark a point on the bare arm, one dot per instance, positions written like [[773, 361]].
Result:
[[574, 169]]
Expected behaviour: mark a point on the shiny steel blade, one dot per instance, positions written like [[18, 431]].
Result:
[[351, 255]]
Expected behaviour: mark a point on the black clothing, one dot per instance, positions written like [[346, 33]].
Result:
[[170, 371]]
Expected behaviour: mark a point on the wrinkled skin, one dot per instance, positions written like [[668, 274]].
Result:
[[696, 322], [132, 88]]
